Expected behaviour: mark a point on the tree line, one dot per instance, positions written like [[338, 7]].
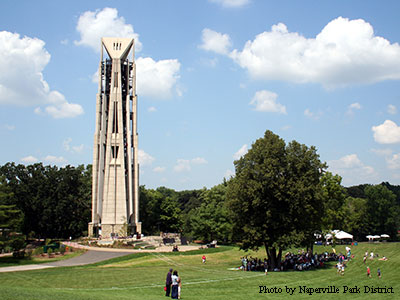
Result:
[[280, 196]]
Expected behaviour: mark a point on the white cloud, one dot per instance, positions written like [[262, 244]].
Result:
[[215, 41], [352, 107], [157, 78], [93, 25], [95, 77], [60, 108], [231, 3], [312, 115], [51, 159], [394, 161], [9, 127], [345, 52], [242, 151], [152, 109], [159, 169], [382, 152], [73, 149], [355, 105], [391, 109], [266, 101], [352, 169], [387, 133], [23, 84], [199, 161], [29, 159], [229, 173], [145, 159], [184, 165]]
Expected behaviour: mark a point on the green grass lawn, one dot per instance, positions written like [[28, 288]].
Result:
[[142, 276]]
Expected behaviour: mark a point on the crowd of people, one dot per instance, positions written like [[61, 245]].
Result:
[[253, 264], [298, 262]]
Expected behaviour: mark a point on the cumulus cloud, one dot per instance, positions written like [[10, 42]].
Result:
[[312, 115], [159, 169], [73, 149], [93, 25], [393, 162], [391, 109], [56, 160], [29, 159], [183, 165], [231, 3], [353, 107], [266, 101], [145, 159], [9, 127], [157, 78], [23, 83], [242, 151], [229, 173], [382, 152], [387, 133], [199, 161], [215, 41], [352, 169], [345, 52]]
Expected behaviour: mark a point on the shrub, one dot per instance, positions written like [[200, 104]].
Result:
[[38, 251]]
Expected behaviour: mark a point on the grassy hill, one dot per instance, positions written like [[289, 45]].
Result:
[[142, 276]]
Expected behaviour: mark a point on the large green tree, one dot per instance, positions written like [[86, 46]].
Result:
[[10, 220], [274, 197], [383, 215], [334, 199], [55, 202], [210, 221]]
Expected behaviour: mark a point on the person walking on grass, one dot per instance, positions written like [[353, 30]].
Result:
[[379, 273], [368, 272]]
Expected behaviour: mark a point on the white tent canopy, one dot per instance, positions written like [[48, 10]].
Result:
[[339, 234]]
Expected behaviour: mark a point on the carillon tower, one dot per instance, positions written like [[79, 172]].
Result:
[[115, 188]]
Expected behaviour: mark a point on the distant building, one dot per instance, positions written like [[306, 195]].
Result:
[[115, 189]]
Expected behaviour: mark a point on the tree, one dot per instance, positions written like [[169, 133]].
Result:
[[160, 211], [274, 196], [382, 212], [55, 202], [334, 199], [356, 217], [10, 220], [210, 221]]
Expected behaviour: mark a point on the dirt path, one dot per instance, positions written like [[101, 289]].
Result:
[[93, 255]]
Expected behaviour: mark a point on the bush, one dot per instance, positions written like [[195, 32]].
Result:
[[38, 251]]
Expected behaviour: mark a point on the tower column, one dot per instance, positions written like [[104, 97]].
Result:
[[115, 191]]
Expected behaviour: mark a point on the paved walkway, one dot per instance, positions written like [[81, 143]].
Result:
[[93, 255]]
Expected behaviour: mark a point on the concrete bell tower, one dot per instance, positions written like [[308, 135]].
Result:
[[115, 188]]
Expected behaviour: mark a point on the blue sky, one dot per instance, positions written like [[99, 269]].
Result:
[[212, 76]]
